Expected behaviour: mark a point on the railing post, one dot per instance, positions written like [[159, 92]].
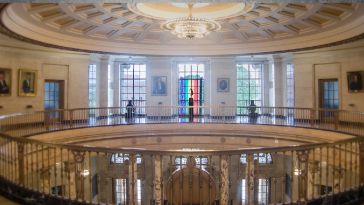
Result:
[[71, 118], [224, 180], [46, 120], [157, 188], [250, 175], [361, 162], [21, 155], [336, 115], [302, 158], [312, 117]]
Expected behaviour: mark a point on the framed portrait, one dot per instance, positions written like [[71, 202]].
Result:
[[159, 85], [5, 82], [355, 81], [223, 85], [27, 82]]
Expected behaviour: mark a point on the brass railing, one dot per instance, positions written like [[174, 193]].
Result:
[[322, 172]]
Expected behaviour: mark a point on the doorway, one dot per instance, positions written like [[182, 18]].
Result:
[[54, 98], [328, 97], [191, 183], [190, 85]]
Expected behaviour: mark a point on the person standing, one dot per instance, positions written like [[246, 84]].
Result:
[[190, 106], [130, 109]]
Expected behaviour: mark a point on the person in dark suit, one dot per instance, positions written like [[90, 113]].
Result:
[[130, 110], [4, 88], [26, 83], [190, 105]]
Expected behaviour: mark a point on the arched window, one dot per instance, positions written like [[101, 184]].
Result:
[[263, 158], [120, 158], [201, 162]]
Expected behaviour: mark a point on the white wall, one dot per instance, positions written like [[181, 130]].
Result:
[[70, 67], [73, 68], [159, 67], [326, 64], [223, 68]]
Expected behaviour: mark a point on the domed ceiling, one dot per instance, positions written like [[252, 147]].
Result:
[[246, 28]]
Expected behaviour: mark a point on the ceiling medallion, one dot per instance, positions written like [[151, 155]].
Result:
[[191, 27]]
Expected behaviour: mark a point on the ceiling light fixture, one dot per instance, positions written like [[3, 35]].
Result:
[[191, 27]]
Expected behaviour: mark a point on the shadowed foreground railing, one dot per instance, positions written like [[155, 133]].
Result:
[[317, 173]]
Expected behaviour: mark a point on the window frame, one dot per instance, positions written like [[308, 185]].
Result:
[[290, 85], [92, 85], [125, 157], [258, 157], [198, 159], [136, 88], [246, 84]]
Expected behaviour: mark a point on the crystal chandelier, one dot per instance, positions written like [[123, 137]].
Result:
[[191, 27]]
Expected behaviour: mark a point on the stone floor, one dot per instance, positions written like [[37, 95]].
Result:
[[5, 201]]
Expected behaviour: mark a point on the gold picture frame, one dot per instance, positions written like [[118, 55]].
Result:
[[27, 83], [5, 82]]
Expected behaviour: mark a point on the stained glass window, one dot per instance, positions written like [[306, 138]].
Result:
[[249, 86], [191, 77]]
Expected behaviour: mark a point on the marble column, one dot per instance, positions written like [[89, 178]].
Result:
[[278, 78], [224, 180], [157, 189], [250, 172], [133, 177], [103, 81], [115, 84]]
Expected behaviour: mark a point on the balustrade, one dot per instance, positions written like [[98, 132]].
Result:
[[87, 175]]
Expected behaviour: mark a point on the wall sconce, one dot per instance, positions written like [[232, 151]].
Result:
[[160, 103], [1, 107], [29, 106]]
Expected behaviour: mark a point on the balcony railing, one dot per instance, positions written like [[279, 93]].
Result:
[[40, 171]]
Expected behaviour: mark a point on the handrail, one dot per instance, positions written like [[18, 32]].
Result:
[[158, 106]]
